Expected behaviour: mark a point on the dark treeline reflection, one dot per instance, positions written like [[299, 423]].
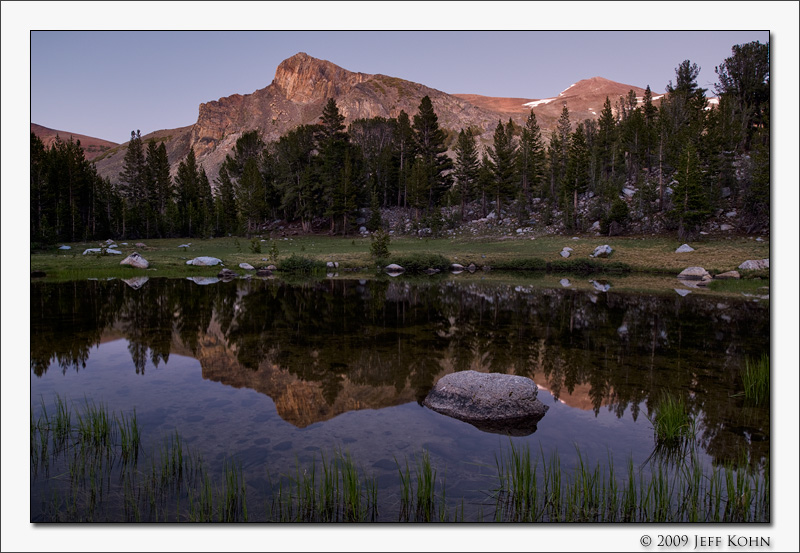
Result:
[[620, 350]]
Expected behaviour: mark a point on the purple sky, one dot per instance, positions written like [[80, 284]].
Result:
[[105, 84]]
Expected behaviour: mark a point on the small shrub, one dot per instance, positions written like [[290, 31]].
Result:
[[299, 264], [379, 248], [418, 262], [529, 264], [618, 213], [255, 245], [273, 252], [587, 266]]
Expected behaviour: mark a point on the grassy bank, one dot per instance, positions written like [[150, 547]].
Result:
[[93, 465], [645, 255]]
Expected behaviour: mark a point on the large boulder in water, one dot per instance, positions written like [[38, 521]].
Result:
[[492, 402]]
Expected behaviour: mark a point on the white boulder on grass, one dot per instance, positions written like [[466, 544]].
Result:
[[755, 264], [65, 248], [728, 275], [204, 261], [694, 273], [602, 251], [246, 267], [135, 260], [686, 248], [92, 250], [113, 251], [564, 253]]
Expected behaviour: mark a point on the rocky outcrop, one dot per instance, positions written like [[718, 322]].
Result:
[[296, 96], [493, 402], [304, 79]]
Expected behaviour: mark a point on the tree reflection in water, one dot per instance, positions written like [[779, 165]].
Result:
[[391, 340]]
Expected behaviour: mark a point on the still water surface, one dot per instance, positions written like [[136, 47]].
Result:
[[275, 374]]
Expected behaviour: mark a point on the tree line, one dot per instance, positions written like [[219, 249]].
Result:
[[683, 156]]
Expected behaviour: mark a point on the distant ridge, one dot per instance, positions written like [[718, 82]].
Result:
[[92, 147]]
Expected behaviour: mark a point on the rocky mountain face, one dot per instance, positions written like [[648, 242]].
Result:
[[92, 147], [302, 86]]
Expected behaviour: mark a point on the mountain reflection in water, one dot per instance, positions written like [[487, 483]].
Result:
[[323, 348]]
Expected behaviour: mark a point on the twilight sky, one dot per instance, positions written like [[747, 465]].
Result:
[[105, 84]]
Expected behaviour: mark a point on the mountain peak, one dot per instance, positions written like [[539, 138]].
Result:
[[305, 79]]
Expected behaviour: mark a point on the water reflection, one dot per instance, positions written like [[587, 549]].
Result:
[[323, 348]]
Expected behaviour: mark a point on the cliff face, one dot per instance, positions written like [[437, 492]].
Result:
[[303, 84]]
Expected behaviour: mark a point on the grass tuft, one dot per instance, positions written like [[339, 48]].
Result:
[[755, 378], [672, 421]]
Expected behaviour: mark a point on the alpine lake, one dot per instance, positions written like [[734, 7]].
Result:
[[278, 399]]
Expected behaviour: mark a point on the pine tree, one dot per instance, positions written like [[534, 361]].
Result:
[[650, 115], [466, 167], [133, 185], [333, 145], [226, 209], [430, 145], [606, 141], [249, 194], [577, 176], [744, 77], [405, 152], [531, 158], [504, 163], [690, 204], [188, 191]]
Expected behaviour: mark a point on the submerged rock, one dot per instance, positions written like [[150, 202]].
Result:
[[492, 402]]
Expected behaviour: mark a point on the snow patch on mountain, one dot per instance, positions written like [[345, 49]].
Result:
[[563, 91], [538, 102]]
